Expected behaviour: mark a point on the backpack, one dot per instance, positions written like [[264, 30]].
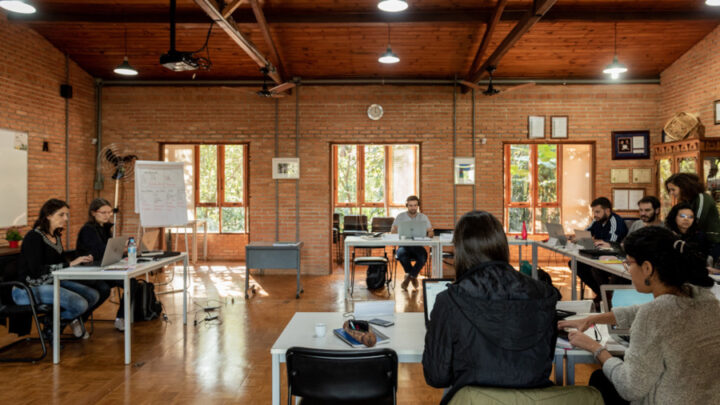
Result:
[[144, 302], [375, 276]]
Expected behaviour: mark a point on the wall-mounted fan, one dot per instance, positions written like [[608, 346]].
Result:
[[492, 90], [119, 165]]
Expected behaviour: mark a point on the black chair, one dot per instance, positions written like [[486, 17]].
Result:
[[18, 317], [336, 237], [342, 376], [381, 224]]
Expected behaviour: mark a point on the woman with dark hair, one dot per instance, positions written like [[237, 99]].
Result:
[[92, 239], [681, 220], [687, 187], [41, 254], [674, 346], [493, 326]]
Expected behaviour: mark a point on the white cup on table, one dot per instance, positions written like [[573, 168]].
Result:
[[320, 329]]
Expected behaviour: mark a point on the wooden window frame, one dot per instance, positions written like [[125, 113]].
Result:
[[533, 205], [360, 202]]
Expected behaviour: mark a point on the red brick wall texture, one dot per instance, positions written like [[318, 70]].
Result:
[[143, 117]]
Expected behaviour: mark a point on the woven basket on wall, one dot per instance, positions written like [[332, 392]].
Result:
[[684, 125]]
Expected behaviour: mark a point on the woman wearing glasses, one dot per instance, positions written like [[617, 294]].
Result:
[[681, 220], [493, 326], [674, 340], [687, 187], [92, 239]]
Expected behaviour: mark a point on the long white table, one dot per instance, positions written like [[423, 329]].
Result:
[[96, 273], [576, 356], [407, 339], [575, 257], [364, 241]]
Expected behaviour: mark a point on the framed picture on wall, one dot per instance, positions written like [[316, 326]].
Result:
[[619, 176], [717, 111], [626, 199], [464, 170], [536, 127], [286, 168], [642, 175], [630, 145], [559, 127]]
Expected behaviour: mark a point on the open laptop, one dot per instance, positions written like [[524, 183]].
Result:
[[412, 229], [431, 287], [582, 237], [113, 254], [621, 295]]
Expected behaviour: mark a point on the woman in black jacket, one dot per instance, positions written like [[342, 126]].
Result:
[[92, 239], [493, 326], [682, 220]]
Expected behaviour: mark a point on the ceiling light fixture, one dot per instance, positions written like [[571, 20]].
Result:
[[388, 57], [124, 68], [615, 68], [17, 6], [392, 6], [712, 2]]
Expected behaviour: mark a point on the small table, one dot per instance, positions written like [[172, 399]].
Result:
[[97, 273], [579, 356], [193, 224], [269, 255]]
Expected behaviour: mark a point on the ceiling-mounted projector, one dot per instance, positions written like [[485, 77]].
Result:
[[179, 61]]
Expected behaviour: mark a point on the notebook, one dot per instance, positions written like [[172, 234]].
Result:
[[345, 337], [623, 295], [431, 287]]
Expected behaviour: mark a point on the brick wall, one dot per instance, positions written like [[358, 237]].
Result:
[[31, 72], [692, 83], [143, 117]]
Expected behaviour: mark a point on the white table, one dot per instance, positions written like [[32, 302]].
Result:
[[363, 241], [193, 224], [407, 339], [96, 273], [580, 356], [575, 256]]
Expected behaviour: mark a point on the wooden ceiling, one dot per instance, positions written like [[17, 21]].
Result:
[[332, 39]]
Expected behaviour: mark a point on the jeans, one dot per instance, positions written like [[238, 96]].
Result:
[[103, 287], [75, 298], [406, 254]]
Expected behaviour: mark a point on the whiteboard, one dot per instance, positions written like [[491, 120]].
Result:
[[13, 178], [160, 193]]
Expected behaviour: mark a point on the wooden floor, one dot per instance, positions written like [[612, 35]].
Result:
[[214, 362]]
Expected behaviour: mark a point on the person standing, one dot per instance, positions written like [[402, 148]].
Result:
[[407, 254]]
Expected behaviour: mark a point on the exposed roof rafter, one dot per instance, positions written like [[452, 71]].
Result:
[[265, 29]]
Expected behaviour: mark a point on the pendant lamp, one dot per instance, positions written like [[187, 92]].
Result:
[[18, 6], [124, 68], [615, 68], [388, 57]]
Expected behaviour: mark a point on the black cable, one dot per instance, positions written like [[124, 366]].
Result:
[[207, 38]]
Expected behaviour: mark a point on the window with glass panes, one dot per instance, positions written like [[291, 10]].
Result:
[[547, 183], [217, 182], [374, 180]]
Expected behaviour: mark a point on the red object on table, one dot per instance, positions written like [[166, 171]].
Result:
[[13, 243], [524, 231]]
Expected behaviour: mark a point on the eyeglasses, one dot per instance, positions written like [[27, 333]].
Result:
[[626, 263], [686, 216]]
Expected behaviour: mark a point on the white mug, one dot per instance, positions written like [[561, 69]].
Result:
[[320, 329]]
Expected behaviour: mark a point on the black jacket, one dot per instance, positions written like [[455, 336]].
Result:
[[492, 327], [92, 239]]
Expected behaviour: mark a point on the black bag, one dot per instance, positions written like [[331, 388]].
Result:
[[145, 305], [375, 276]]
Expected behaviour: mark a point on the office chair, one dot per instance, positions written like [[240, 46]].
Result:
[[339, 376], [18, 317]]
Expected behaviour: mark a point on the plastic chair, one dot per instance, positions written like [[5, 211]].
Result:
[[337, 376]]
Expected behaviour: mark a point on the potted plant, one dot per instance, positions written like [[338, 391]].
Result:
[[13, 237]]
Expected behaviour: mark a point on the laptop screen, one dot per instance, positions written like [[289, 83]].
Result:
[[431, 288], [625, 297]]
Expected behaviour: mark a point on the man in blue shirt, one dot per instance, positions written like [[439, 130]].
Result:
[[607, 226]]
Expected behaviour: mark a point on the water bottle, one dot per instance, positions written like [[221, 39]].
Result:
[[132, 252]]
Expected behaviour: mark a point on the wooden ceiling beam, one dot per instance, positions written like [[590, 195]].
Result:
[[230, 8], [265, 29], [210, 7], [540, 7], [487, 36], [114, 14]]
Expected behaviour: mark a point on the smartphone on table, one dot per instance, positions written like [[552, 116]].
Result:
[[381, 322]]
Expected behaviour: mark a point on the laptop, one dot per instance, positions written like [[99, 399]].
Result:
[[412, 229], [431, 287], [621, 295], [113, 254], [556, 231]]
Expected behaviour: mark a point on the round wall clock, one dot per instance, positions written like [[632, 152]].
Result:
[[375, 112]]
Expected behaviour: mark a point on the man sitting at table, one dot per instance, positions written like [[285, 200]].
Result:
[[406, 254], [606, 227]]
